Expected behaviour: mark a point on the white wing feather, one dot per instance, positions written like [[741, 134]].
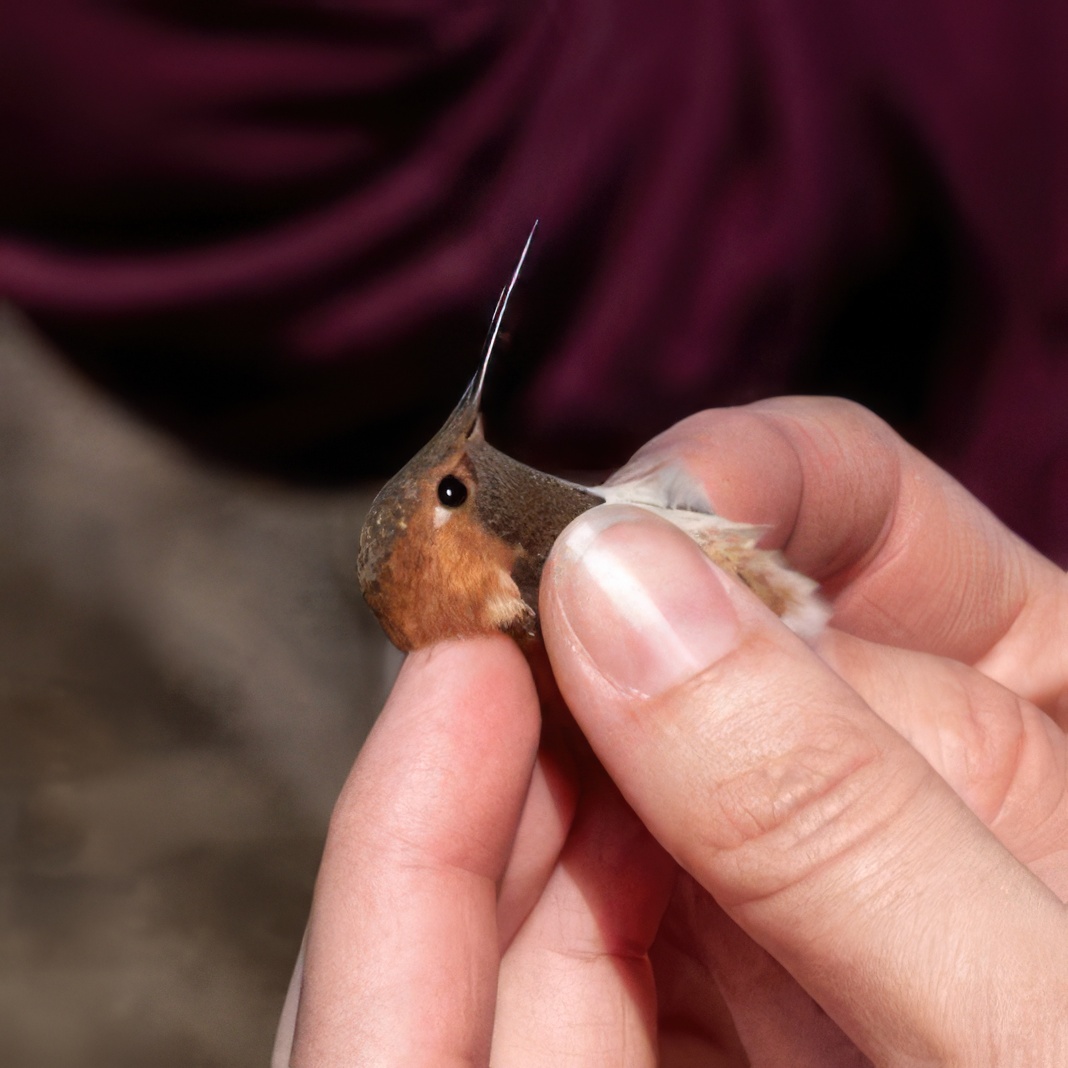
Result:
[[671, 492]]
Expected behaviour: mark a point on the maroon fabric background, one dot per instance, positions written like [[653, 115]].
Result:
[[280, 226]]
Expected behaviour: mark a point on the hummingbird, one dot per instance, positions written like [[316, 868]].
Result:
[[454, 544]]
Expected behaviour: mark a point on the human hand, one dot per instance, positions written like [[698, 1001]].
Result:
[[926, 920], [823, 834]]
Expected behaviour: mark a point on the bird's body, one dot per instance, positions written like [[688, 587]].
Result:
[[455, 543]]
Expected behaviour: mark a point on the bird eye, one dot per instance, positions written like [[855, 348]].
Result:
[[451, 492]]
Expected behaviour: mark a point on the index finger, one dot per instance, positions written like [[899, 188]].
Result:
[[909, 557], [402, 947]]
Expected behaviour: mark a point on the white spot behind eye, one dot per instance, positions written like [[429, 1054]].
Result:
[[442, 515]]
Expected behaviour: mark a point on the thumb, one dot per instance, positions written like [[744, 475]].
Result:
[[823, 834]]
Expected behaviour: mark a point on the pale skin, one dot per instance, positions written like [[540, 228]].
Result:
[[742, 850]]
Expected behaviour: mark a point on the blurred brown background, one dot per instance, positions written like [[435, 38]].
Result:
[[186, 672]]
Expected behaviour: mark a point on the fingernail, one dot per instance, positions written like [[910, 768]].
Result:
[[647, 607]]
